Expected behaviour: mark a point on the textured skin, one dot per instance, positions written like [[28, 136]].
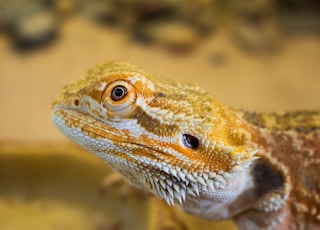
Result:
[[178, 142]]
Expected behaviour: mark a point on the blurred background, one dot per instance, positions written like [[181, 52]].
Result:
[[259, 55]]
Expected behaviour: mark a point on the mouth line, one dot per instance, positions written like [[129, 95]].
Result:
[[152, 151], [83, 117]]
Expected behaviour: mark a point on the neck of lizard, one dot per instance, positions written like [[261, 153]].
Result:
[[285, 178]]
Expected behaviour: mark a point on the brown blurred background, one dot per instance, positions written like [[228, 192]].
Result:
[[261, 55]]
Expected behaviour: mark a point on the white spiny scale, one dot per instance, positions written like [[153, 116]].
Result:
[[217, 147], [195, 188], [191, 192], [209, 183], [220, 179], [168, 116], [205, 175], [188, 118], [206, 143], [253, 152], [179, 116], [206, 127], [153, 109], [163, 184], [181, 175], [165, 169], [178, 197], [227, 149], [162, 177], [254, 158], [245, 163], [190, 177], [159, 165], [159, 118], [169, 182], [237, 168], [236, 156], [201, 181], [168, 200], [183, 194], [162, 193], [197, 120], [176, 187], [162, 112], [153, 115], [183, 185], [173, 172], [184, 171], [171, 200], [212, 174], [227, 176], [157, 186], [152, 184], [170, 190]]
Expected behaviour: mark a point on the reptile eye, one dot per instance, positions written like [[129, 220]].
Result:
[[119, 92], [190, 141], [119, 98]]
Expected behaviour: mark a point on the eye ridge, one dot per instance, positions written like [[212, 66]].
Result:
[[190, 141], [118, 93]]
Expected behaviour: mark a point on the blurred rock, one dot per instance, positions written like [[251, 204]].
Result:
[[218, 58], [29, 24], [2, 16], [257, 39], [34, 30], [176, 36], [101, 11], [104, 222], [204, 15], [65, 7], [300, 24], [299, 17], [254, 26]]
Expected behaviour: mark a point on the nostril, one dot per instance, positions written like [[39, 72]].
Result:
[[76, 102]]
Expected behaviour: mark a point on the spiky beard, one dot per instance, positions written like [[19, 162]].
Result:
[[175, 188]]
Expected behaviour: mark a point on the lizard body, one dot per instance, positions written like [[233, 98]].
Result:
[[178, 142]]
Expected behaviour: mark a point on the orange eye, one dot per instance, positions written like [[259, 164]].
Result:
[[119, 98], [119, 92]]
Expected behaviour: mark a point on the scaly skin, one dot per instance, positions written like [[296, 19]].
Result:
[[178, 142]]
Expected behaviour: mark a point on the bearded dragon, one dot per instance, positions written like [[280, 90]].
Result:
[[181, 144]]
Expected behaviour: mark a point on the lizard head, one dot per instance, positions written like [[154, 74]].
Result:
[[172, 139]]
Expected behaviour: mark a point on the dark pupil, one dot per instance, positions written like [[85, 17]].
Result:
[[118, 93], [190, 141]]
